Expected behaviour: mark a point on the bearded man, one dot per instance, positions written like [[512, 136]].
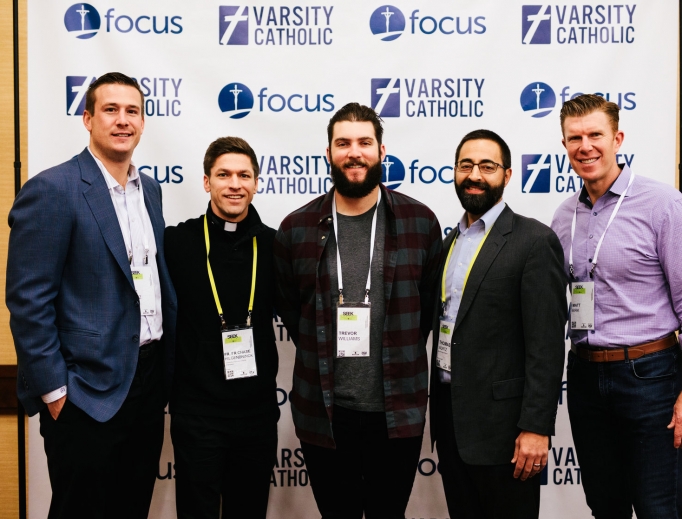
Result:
[[498, 351], [356, 285]]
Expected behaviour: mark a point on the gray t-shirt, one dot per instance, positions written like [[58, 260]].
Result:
[[359, 382]]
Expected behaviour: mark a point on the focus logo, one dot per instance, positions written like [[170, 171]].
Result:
[[387, 23], [536, 24], [236, 99], [393, 172], [82, 20], [386, 97], [538, 99], [233, 25], [432, 97], [535, 173], [578, 24], [76, 87]]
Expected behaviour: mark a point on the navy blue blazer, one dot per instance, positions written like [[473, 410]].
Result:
[[74, 312]]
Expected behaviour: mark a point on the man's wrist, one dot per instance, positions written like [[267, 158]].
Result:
[[55, 395]]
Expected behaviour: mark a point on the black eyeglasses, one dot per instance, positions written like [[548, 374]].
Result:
[[485, 166]]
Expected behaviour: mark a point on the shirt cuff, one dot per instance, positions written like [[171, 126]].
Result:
[[55, 395]]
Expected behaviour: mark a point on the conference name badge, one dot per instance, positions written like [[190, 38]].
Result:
[[144, 286], [582, 305], [444, 349], [352, 330], [239, 354]]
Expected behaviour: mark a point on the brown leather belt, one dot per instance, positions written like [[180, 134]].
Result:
[[616, 354]]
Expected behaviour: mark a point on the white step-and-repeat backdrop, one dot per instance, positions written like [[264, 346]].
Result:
[[273, 72]]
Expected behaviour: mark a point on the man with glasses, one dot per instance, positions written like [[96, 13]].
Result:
[[498, 351]]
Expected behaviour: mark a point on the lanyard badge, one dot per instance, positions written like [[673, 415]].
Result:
[[443, 352], [583, 292], [447, 327], [353, 319], [239, 353], [143, 279], [582, 305], [144, 286]]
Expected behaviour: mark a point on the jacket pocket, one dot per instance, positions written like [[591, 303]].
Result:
[[508, 388]]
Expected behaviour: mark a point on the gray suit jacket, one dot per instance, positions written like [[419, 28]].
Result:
[[74, 312], [508, 341]]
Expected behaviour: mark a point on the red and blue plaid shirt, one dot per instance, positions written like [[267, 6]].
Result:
[[412, 251]]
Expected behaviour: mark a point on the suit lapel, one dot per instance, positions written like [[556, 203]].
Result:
[[99, 200], [491, 248]]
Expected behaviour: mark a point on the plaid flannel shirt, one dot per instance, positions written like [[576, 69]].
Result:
[[412, 251]]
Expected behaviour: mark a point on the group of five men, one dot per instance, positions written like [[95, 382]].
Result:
[[113, 315]]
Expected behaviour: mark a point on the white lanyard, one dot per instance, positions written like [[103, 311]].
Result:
[[601, 240], [145, 241], [371, 250]]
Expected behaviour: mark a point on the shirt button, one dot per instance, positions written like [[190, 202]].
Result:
[[590, 236], [591, 331], [323, 237], [136, 338], [595, 213], [460, 264]]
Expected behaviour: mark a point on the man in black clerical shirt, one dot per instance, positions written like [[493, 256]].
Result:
[[223, 405]]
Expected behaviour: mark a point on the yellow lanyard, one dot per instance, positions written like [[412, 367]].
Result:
[[215, 291], [471, 264]]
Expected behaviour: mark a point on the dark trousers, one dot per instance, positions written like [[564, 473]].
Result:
[[230, 458], [619, 412], [107, 470], [480, 491], [367, 470]]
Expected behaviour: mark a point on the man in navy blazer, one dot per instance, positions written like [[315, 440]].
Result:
[[93, 313]]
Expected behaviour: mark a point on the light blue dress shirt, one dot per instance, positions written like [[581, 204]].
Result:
[[468, 240]]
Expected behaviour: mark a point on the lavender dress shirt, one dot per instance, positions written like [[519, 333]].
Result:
[[638, 278]]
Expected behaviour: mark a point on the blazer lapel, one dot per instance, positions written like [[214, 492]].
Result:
[[98, 198], [491, 248]]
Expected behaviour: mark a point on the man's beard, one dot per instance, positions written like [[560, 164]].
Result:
[[479, 204], [352, 189]]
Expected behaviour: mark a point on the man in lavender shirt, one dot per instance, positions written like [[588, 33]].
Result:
[[621, 236]]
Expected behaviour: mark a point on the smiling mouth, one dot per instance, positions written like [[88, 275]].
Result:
[[588, 161], [234, 197], [122, 134]]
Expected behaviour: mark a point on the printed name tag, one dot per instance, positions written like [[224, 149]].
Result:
[[582, 305], [144, 286], [352, 330], [443, 352], [239, 354]]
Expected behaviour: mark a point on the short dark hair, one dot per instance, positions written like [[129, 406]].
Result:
[[111, 78], [225, 145], [487, 135], [585, 104], [355, 112]]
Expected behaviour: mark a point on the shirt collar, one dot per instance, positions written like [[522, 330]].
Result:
[[619, 185], [112, 183], [488, 219]]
